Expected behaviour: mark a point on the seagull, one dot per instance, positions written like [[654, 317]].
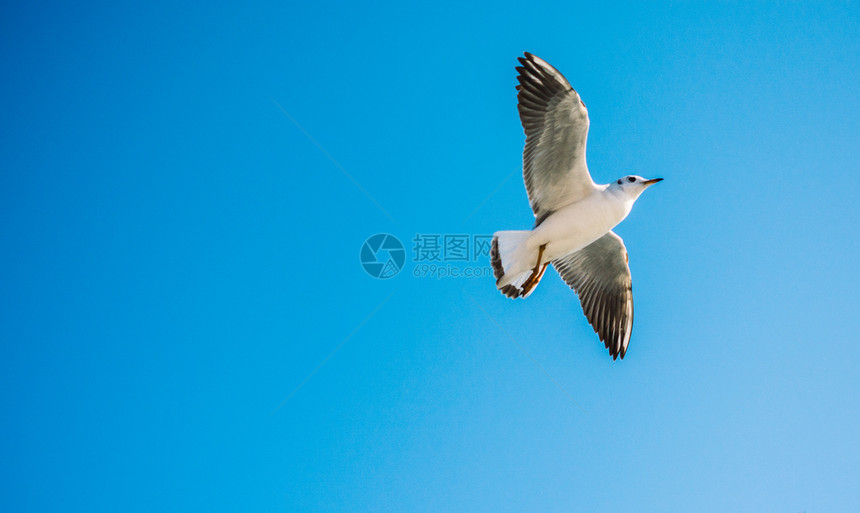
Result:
[[574, 216]]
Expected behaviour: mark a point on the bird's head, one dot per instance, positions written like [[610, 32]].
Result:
[[632, 185]]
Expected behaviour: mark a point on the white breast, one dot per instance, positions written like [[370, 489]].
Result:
[[579, 224]]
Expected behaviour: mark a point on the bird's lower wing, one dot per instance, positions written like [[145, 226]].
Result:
[[600, 276]]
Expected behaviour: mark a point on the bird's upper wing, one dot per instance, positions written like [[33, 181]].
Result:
[[599, 275], [556, 124]]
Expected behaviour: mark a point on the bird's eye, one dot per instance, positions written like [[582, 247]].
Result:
[[631, 179]]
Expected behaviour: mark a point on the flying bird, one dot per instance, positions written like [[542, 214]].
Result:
[[574, 216]]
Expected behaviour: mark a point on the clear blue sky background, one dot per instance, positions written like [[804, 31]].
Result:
[[178, 257]]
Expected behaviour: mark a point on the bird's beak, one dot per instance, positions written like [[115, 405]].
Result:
[[652, 182]]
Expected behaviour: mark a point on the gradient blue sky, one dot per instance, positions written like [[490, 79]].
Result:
[[179, 256]]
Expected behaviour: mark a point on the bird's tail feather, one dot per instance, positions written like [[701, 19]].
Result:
[[511, 263]]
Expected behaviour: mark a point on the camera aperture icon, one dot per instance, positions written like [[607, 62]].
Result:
[[382, 256]]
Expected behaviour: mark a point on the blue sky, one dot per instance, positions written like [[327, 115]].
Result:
[[181, 254]]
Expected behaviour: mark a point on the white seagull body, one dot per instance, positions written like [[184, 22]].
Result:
[[574, 216]]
